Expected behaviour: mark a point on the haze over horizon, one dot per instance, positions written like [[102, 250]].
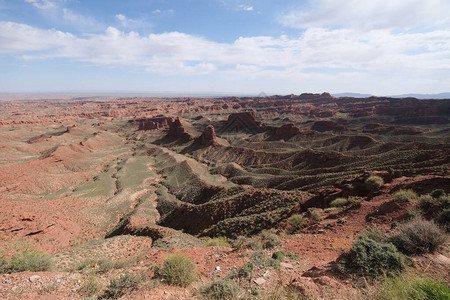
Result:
[[227, 46]]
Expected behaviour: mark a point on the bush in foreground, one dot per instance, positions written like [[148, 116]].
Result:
[[418, 236], [404, 195], [374, 183], [221, 289], [371, 258], [177, 270], [25, 259]]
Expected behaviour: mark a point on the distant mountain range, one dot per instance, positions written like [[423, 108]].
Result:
[[418, 96]]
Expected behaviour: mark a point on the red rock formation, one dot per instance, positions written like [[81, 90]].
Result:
[[208, 136], [287, 130], [154, 123], [177, 131], [244, 121], [328, 126]]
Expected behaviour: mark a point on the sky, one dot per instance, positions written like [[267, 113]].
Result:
[[381, 47]]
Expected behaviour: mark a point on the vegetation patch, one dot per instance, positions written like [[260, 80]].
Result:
[[418, 236], [374, 183], [408, 287], [24, 258], [90, 287], [404, 195], [269, 239], [218, 242], [242, 242], [221, 289], [177, 270], [296, 222], [371, 258], [123, 285]]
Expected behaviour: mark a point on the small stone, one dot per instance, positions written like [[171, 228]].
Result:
[[34, 278], [8, 281], [259, 281], [321, 231], [286, 265], [266, 274], [218, 268]]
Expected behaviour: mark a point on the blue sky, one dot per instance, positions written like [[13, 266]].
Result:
[[225, 46]]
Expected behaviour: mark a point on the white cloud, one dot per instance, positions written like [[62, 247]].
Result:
[[370, 14], [246, 7], [43, 4], [342, 55], [56, 11], [129, 23], [167, 11]]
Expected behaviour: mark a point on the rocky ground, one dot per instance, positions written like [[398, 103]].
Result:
[[132, 181]]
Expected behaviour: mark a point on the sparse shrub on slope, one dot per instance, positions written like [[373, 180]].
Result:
[[371, 258], [177, 270], [437, 208], [418, 236], [221, 289], [374, 183], [217, 242], [269, 239], [339, 202], [123, 285], [404, 195], [90, 287], [436, 194], [25, 259], [374, 233], [242, 242], [296, 222]]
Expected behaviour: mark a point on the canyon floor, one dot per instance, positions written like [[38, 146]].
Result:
[[135, 180]]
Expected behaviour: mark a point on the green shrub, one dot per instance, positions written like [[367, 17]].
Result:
[[123, 285], [90, 287], [219, 289], [436, 194], [404, 195], [418, 236], [242, 242], [371, 258], [374, 183], [315, 215], [177, 270], [25, 259], [434, 290], [243, 271], [296, 222], [407, 287], [373, 233], [218, 242], [444, 217], [278, 255], [436, 208], [269, 239], [339, 202]]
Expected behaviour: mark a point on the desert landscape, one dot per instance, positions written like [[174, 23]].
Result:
[[306, 196]]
